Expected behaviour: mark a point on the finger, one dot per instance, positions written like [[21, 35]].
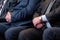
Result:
[[39, 26]]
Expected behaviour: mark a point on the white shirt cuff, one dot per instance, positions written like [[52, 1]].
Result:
[[45, 19]]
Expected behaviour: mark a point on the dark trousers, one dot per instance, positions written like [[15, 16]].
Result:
[[37, 34], [7, 32], [3, 28], [30, 34], [52, 34]]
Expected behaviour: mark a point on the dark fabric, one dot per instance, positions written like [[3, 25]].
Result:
[[30, 34], [53, 18], [43, 6], [3, 28], [52, 34], [53, 15], [12, 33], [2, 38], [24, 8], [21, 15]]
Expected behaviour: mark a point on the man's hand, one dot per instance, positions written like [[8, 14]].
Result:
[[38, 23], [8, 17]]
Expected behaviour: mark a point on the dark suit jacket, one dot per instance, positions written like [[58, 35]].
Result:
[[21, 11], [54, 15]]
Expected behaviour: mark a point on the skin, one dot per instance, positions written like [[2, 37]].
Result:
[[38, 23], [8, 17]]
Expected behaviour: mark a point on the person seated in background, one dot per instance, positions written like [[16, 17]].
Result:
[[52, 34], [39, 22], [15, 16]]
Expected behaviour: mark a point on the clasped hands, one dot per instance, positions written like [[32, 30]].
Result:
[[38, 23]]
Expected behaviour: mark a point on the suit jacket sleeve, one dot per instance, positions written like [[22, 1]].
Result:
[[24, 9], [54, 15]]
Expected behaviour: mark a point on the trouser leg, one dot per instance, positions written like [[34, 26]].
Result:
[[51, 34], [12, 33], [3, 28], [30, 34]]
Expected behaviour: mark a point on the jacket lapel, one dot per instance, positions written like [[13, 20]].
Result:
[[44, 6]]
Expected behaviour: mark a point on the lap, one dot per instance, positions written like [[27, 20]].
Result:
[[3, 27], [13, 32], [31, 34], [16, 29], [53, 33]]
